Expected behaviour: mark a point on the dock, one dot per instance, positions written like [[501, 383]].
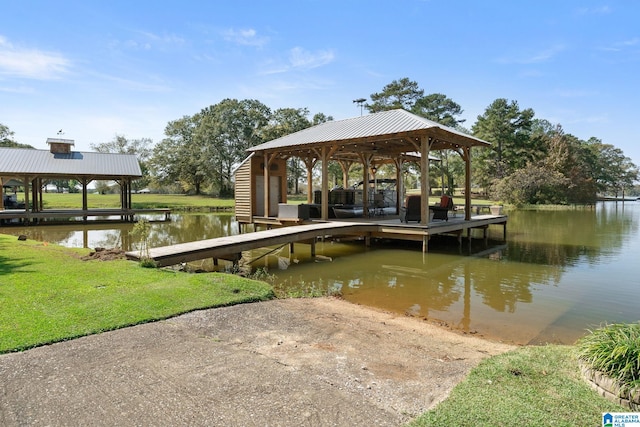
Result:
[[231, 247], [24, 217]]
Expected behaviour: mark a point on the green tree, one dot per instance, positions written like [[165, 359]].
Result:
[[613, 171], [508, 129], [141, 148], [319, 118], [439, 108], [403, 93], [225, 131], [6, 138], [180, 157]]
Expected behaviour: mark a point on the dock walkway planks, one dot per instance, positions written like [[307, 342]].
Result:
[[228, 247]]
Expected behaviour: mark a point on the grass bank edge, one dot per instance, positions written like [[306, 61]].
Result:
[[531, 385], [49, 294]]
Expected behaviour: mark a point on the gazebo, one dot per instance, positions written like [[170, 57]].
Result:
[[388, 137], [33, 168]]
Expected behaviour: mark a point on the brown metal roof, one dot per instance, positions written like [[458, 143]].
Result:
[[22, 161], [393, 132]]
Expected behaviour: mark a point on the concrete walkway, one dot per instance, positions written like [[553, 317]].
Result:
[[312, 362]]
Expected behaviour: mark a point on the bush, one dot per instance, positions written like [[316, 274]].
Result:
[[615, 351]]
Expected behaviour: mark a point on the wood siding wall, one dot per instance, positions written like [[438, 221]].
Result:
[[243, 193]]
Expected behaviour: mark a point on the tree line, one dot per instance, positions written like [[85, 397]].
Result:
[[530, 161]]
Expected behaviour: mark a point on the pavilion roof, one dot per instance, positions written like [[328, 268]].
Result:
[[18, 162], [387, 133]]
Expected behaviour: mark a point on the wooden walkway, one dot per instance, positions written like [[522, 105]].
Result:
[[231, 247], [24, 217]]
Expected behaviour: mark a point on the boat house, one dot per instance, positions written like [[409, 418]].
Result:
[[388, 137]]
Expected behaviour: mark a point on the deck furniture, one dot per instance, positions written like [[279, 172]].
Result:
[[411, 209], [441, 211]]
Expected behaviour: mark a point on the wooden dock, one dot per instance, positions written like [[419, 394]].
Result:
[[23, 217], [231, 247]]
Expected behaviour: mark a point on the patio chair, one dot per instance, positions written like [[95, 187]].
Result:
[[441, 211], [411, 209]]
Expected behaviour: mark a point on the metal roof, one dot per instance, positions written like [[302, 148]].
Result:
[[393, 125], [23, 161]]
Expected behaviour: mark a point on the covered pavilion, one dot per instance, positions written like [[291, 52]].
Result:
[[388, 137], [33, 169]]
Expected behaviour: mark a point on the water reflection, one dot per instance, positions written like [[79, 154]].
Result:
[[559, 273]]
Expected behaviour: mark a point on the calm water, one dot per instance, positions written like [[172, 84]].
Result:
[[559, 273]]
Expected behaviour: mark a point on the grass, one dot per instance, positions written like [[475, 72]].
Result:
[[615, 350], [530, 386], [49, 294]]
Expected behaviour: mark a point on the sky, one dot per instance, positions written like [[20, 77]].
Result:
[[97, 69]]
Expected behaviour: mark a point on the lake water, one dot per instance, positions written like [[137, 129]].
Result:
[[558, 274]]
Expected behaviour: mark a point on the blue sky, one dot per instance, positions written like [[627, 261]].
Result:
[[99, 68]]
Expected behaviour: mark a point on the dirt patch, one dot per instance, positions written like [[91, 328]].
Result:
[[291, 362], [102, 254]]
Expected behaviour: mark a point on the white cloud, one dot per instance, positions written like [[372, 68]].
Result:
[[300, 58], [31, 63], [534, 57], [600, 10], [622, 45], [246, 37]]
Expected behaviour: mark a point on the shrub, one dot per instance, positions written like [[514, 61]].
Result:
[[615, 351]]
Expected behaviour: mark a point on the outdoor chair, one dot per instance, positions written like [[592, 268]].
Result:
[[441, 211], [378, 205], [411, 209]]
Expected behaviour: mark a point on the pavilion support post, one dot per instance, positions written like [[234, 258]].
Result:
[[399, 185], [34, 192], [309, 163], [1, 195], [345, 166], [366, 164], [40, 191], [265, 171], [467, 182], [325, 184], [26, 199], [425, 145]]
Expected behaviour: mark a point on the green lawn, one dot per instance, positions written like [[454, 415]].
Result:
[[530, 386], [139, 201], [48, 293]]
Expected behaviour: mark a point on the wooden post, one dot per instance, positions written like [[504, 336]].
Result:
[[399, 185], [424, 180], [26, 199], [467, 182], [325, 184], [309, 163], [265, 171]]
